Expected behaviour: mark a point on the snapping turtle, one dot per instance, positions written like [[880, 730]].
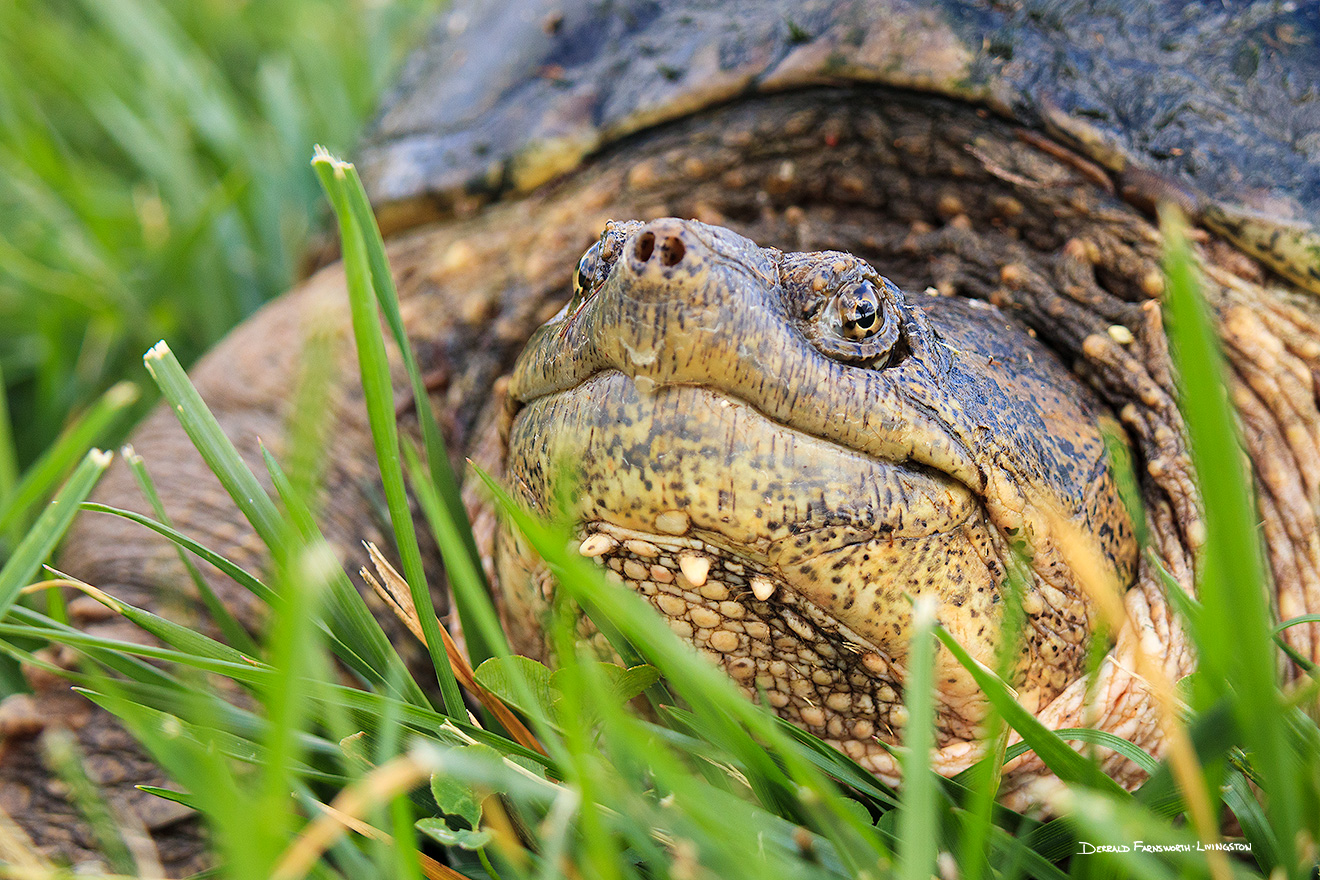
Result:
[[1000, 154]]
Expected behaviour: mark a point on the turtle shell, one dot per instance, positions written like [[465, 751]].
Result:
[[1213, 105]]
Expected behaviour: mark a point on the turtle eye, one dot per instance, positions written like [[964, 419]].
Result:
[[584, 282], [858, 309], [850, 313], [584, 279]]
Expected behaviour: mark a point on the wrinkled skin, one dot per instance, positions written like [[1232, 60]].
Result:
[[774, 474], [1210, 105], [929, 192]]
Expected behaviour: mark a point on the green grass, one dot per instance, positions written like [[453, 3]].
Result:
[[705, 783], [154, 180]]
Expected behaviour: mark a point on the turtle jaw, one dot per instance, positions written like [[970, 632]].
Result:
[[783, 557]]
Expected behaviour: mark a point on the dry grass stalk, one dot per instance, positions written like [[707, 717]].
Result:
[[394, 590]]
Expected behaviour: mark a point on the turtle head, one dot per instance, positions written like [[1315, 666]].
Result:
[[780, 450]]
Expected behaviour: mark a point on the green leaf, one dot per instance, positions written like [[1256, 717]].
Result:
[[625, 684], [459, 797], [510, 677], [437, 830]]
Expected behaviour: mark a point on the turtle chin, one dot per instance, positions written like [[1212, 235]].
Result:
[[783, 557]]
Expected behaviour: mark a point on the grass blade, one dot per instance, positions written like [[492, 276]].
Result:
[[1241, 800], [437, 455], [351, 620], [353, 634], [216, 449], [8, 459], [481, 624], [1097, 738], [916, 820], [1062, 760], [241, 577], [62, 754], [50, 527], [233, 631], [184, 638], [72, 444], [362, 638], [1235, 629], [378, 391]]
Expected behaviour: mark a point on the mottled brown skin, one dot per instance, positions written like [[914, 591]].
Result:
[[685, 403], [932, 193]]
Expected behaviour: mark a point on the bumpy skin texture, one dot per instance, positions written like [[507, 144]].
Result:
[[931, 193], [1207, 104], [776, 492]]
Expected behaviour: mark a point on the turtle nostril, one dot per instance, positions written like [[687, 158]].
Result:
[[671, 251], [645, 247]]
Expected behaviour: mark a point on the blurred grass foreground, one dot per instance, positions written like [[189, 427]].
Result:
[[154, 179]]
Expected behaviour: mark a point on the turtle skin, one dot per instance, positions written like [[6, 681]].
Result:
[[930, 192], [782, 451]]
